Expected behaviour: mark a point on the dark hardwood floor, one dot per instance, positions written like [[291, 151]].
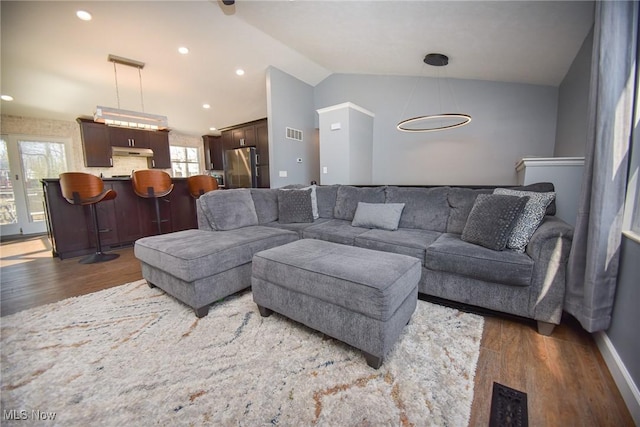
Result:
[[30, 276], [565, 378]]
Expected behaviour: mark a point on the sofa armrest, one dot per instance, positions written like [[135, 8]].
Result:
[[551, 229], [549, 248]]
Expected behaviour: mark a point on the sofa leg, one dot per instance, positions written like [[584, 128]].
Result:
[[264, 311], [545, 328], [374, 361], [151, 285], [202, 311]]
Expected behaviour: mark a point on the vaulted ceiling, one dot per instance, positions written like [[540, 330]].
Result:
[[55, 66]]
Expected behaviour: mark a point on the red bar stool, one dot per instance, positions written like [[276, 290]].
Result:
[[80, 188], [152, 184]]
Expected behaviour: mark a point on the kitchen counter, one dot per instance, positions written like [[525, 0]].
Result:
[[122, 220]]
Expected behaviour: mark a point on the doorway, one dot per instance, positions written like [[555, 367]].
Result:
[[24, 162]]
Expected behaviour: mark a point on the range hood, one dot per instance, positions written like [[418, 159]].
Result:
[[132, 152]]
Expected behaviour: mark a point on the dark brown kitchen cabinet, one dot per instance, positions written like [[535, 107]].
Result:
[[96, 144], [213, 152], [262, 143], [97, 140], [159, 144], [244, 137], [126, 137], [122, 220], [227, 141], [263, 176]]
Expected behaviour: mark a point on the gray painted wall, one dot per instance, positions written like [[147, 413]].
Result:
[[346, 133], [623, 331], [573, 100], [510, 121], [290, 104]]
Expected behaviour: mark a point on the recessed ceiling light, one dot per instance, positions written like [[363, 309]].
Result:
[[183, 50], [207, 106], [84, 15], [240, 72], [6, 97], [212, 128]]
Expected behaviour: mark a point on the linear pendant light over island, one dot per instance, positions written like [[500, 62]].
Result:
[[127, 118]]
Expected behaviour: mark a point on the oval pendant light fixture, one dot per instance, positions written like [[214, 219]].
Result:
[[434, 122]]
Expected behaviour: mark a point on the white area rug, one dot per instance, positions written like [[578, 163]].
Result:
[[132, 355]]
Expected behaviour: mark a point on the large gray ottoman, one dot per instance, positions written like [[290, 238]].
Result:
[[359, 296], [199, 267]]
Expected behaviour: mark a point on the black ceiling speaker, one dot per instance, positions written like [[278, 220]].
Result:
[[436, 59], [228, 2]]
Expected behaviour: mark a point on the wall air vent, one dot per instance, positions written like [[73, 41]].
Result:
[[294, 134]]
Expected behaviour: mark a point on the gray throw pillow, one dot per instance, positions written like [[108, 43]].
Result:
[[491, 220], [378, 215], [531, 217], [229, 209], [294, 206]]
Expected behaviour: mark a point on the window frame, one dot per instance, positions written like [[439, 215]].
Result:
[[185, 162]]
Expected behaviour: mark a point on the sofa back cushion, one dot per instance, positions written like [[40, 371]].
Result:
[[461, 201], [348, 197], [425, 208], [229, 209], [266, 204], [326, 195]]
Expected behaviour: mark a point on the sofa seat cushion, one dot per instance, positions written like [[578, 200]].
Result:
[[368, 282], [195, 254], [334, 230], [298, 227], [450, 254], [404, 241]]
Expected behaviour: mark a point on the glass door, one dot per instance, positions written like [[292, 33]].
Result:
[[24, 161], [8, 217]]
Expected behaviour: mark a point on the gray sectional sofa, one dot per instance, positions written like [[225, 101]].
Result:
[[528, 283]]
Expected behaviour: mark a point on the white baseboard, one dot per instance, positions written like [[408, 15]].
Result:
[[627, 387]]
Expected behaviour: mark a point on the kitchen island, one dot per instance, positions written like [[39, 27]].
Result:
[[122, 220]]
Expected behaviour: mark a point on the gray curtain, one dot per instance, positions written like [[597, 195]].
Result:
[[593, 263]]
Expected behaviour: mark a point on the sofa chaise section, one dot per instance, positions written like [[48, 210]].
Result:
[[199, 267]]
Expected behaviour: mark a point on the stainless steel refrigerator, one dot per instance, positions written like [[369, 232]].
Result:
[[240, 168]]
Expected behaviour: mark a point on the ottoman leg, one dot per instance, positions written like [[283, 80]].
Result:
[[264, 311], [374, 361], [202, 311]]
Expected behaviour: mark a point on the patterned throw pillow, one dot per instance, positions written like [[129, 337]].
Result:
[[531, 217], [491, 220], [294, 206]]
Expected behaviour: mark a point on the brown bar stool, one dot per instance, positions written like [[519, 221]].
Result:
[[200, 184], [80, 188], [152, 184]]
